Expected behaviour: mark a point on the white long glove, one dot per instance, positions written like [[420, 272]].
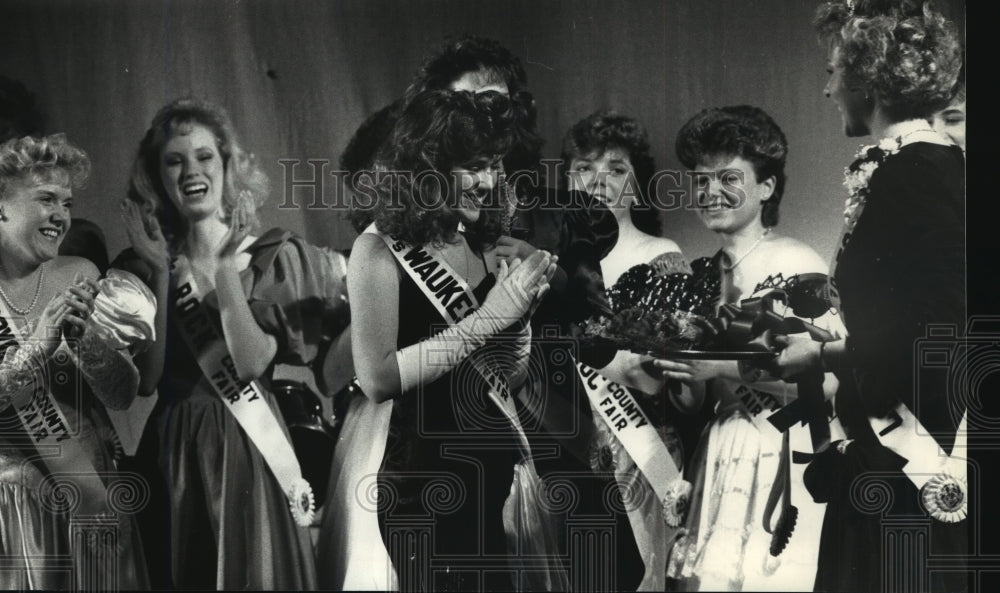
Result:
[[516, 290]]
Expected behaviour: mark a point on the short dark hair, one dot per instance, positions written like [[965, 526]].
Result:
[[607, 129], [457, 56], [471, 53], [437, 131], [905, 51], [739, 131]]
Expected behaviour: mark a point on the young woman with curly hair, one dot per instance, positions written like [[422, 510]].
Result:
[[451, 442], [742, 462], [66, 341], [900, 271], [231, 305], [607, 158]]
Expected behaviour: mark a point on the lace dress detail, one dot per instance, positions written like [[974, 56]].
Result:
[[31, 530]]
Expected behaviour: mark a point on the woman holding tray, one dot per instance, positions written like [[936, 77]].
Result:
[[900, 270], [232, 305], [746, 491], [607, 156]]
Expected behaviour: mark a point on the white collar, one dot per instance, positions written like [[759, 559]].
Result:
[[913, 130]]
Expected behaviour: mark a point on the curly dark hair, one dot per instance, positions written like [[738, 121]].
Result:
[[739, 131], [456, 57], [244, 179], [905, 51], [604, 130], [438, 130], [47, 158], [471, 53]]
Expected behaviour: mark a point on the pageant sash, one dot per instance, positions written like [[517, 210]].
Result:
[[453, 299], [618, 409], [245, 401], [941, 479], [45, 425]]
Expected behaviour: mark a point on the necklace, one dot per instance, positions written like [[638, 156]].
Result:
[[34, 300], [748, 251]]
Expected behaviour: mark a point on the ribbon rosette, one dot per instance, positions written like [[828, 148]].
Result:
[[302, 503], [676, 502], [946, 498]]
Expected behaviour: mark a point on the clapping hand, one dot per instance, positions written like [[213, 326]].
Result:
[[146, 238], [520, 287], [66, 313], [239, 229]]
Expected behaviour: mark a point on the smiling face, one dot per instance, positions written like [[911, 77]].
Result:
[[604, 177], [36, 216], [729, 197], [474, 181], [855, 108], [950, 122], [192, 171]]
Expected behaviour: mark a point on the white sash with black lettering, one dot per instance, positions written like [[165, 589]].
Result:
[[245, 401], [46, 426], [941, 478], [453, 299], [617, 407]]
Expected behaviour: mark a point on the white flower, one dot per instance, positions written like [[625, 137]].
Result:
[[857, 181], [863, 151], [868, 167]]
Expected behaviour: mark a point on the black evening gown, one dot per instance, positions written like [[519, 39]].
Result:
[[900, 271], [447, 470]]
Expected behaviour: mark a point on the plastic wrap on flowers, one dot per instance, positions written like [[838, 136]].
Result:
[[659, 312], [124, 310]]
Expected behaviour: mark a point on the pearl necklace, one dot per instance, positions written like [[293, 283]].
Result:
[[748, 251], [34, 300]]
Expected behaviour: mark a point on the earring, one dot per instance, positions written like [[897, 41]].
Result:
[[3, 216]]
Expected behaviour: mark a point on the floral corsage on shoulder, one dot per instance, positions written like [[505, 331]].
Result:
[[858, 175]]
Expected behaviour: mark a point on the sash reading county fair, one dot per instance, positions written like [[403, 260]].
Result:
[[246, 401], [616, 405], [46, 426], [941, 479], [454, 300]]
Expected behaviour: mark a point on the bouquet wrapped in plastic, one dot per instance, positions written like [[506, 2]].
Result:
[[660, 307]]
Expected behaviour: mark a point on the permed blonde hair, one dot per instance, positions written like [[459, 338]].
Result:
[[43, 159], [904, 51], [244, 180]]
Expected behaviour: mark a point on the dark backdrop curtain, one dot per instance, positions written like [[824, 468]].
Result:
[[298, 76]]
